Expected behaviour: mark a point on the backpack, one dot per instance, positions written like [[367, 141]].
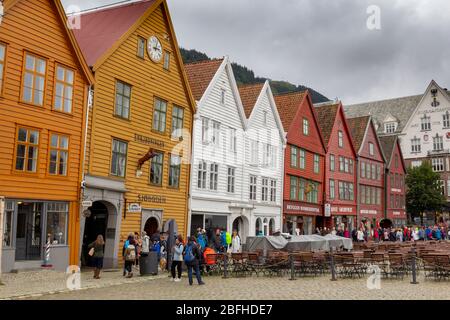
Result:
[[189, 254], [130, 253]]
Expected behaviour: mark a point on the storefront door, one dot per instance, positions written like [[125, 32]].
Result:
[[29, 231]]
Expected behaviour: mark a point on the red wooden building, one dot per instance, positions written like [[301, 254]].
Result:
[[304, 164], [340, 209], [395, 189], [370, 164]]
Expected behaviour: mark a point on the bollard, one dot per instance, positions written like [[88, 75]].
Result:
[[291, 261], [225, 266], [333, 271], [414, 267], [47, 254]]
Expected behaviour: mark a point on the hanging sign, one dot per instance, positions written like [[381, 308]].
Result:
[[134, 208]]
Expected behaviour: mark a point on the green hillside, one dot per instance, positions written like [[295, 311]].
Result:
[[246, 76]]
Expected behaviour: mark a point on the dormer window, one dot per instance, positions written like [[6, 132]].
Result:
[[390, 127]]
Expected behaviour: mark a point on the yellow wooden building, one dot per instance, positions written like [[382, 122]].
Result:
[[44, 83], [138, 146]]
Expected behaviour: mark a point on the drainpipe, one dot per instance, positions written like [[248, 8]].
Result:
[[195, 117], [386, 170], [2, 213], [358, 193]]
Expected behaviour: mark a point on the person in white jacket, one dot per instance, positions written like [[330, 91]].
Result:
[[235, 243]]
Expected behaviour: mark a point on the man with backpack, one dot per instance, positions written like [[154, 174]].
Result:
[[192, 256], [130, 257]]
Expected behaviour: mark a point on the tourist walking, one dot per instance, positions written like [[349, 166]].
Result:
[[138, 240], [125, 246], [177, 258], [130, 257], [235, 243], [360, 235], [97, 253], [192, 257]]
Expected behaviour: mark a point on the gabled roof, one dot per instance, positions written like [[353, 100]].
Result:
[[400, 108], [249, 96], [358, 127], [200, 75], [388, 144], [288, 105], [8, 4], [326, 116], [101, 29]]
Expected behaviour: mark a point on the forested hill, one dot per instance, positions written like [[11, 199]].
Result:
[[246, 76]]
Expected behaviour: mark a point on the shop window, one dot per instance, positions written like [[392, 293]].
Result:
[[57, 214], [64, 89], [33, 85], [174, 171], [258, 227], [59, 154], [156, 169], [119, 158], [8, 223], [159, 115], [177, 121], [27, 147]]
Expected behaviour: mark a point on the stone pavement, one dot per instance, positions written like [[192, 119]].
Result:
[[264, 288], [36, 283]]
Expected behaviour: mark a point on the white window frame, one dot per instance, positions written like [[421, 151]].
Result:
[[446, 120], [213, 176], [206, 130], [390, 127], [438, 143], [340, 139], [438, 164], [332, 191], [371, 149], [253, 187], [273, 190], [425, 123], [231, 179], [416, 146], [264, 189], [202, 175]]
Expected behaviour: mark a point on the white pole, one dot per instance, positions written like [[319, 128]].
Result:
[[2, 213]]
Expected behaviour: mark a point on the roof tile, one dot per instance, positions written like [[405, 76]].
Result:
[[249, 95], [288, 105], [358, 128], [200, 75], [326, 116]]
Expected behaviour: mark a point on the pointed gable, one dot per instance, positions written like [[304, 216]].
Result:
[[200, 74], [101, 29], [388, 144], [249, 96], [358, 128], [288, 105], [326, 116]]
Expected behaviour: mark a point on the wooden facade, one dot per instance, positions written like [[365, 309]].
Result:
[[150, 84], [40, 57]]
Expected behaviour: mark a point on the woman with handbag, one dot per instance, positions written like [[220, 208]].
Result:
[[97, 253]]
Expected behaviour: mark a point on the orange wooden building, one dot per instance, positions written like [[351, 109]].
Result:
[[44, 82], [138, 146]]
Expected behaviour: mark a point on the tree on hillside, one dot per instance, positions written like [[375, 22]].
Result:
[[424, 193]]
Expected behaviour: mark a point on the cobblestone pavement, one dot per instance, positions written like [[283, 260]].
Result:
[[36, 283], [263, 288]]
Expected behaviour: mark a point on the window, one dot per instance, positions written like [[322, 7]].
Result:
[[2, 65], [378, 172], [441, 185], [177, 122], [305, 127], [213, 176], [156, 169], [332, 190], [438, 143], [59, 154], [27, 150], [57, 214], [340, 139], [302, 190], [141, 47], [363, 194], [8, 223], [448, 188], [438, 164], [265, 189], [233, 141], [302, 159], [316, 163], [445, 117], [363, 169], [390, 127], [293, 188], [231, 179], [123, 95], [425, 123], [351, 191], [166, 60], [64, 89], [202, 172], [223, 94], [341, 190], [216, 133], [416, 163], [341, 164], [374, 172], [313, 194], [332, 163], [34, 80], [119, 158], [350, 165], [205, 130], [415, 145], [253, 186], [368, 171], [294, 157], [346, 191], [254, 152], [273, 190], [159, 115], [371, 149], [174, 171]]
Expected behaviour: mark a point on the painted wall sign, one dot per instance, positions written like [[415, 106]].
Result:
[[374, 212], [151, 198], [327, 210], [86, 203], [148, 141]]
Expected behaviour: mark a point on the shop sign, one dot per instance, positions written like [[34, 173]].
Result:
[[396, 190], [396, 213], [374, 212], [86, 203], [342, 209], [151, 198], [302, 208], [134, 208], [148, 141], [327, 210]]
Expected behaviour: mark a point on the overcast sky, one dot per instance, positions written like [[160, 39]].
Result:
[[323, 44]]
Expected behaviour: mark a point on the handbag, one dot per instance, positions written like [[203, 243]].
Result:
[[91, 252]]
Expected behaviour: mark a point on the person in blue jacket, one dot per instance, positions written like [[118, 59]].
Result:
[[223, 240]]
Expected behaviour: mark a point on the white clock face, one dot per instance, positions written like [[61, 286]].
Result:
[[154, 49]]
